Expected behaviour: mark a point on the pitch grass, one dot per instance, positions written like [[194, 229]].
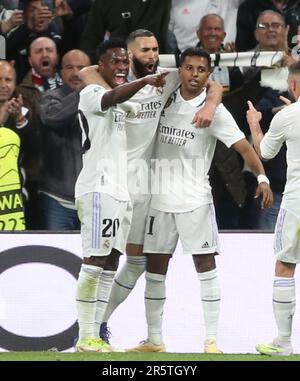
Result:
[[55, 356]]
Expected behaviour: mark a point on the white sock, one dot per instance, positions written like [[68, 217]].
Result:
[[284, 304], [86, 298], [104, 288], [124, 283], [210, 296], [155, 297]]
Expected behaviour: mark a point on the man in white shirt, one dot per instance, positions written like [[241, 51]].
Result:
[[101, 193], [181, 204], [283, 128], [141, 131], [185, 16]]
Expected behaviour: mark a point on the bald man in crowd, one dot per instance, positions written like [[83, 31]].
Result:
[[61, 147]]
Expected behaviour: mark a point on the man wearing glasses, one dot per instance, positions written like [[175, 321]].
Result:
[[271, 32], [249, 11]]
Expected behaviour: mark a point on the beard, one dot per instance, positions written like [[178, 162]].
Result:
[[142, 70]]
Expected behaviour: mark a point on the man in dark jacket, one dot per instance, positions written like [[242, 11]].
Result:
[[61, 147], [120, 17], [42, 76]]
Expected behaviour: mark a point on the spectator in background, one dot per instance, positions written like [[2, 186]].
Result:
[[73, 15], [185, 16], [248, 13], [270, 34], [43, 75], [14, 125], [211, 35], [37, 23], [9, 19], [61, 147], [269, 105], [118, 18]]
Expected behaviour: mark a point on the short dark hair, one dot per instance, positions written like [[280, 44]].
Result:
[[139, 33], [109, 44], [195, 51]]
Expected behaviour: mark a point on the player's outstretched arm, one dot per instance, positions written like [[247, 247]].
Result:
[[252, 160], [204, 117], [124, 92]]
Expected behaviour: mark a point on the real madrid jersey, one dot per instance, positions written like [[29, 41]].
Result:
[[285, 128], [141, 129], [105, 162], [141, 132], [183, 154]]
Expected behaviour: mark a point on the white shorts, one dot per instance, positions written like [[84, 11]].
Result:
[[197, 231], [139, 219], [287, 238], [105, 223]]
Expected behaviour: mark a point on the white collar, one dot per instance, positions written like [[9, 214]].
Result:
[[196, 102]]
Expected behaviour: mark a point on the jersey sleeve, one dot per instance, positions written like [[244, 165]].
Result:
[[275, 137], [225, 128], [91, 97]]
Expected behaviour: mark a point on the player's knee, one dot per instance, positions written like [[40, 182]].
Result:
[[157, 263], [112, 261], [134, 250], [204, 262], [94, 261]]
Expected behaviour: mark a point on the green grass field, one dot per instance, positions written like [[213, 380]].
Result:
[[55, 356]]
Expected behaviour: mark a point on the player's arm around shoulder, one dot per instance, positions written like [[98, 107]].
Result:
[[90, 75], [205, 116]]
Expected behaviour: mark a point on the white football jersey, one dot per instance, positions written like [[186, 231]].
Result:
[[284, 128], [141, 129], [183, 154], [105, 162]]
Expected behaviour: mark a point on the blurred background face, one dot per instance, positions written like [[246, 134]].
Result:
[[270, 32], [37, 15], [72, 63], [43, 56], [7, 81], [114, 66], [211, 33], [144, 55]]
